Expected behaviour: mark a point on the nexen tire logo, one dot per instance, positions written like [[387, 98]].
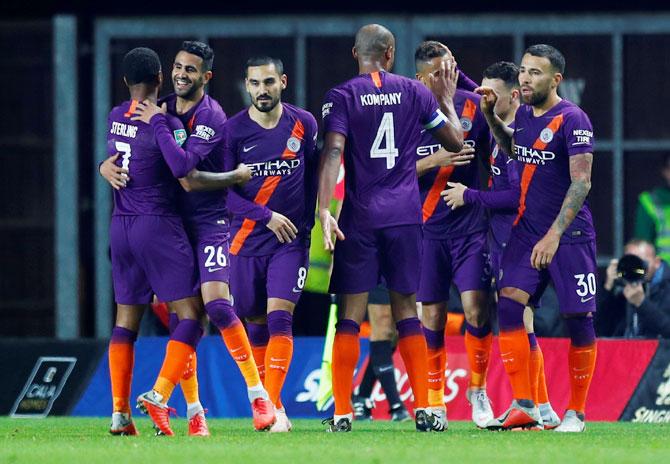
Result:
[[532, 155]]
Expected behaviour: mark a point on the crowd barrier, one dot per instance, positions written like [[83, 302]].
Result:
[[631, 381]]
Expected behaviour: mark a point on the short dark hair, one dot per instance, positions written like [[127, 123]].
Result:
[[555, 57], [141, 66], [428, 50], [506, 71], [263, 61], [200, 49]]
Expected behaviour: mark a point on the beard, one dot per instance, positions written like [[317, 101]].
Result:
[[535, 99], [265, 106]]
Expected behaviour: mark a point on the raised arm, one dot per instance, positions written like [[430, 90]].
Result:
[[443, 85], [500, 131], [329, 167]]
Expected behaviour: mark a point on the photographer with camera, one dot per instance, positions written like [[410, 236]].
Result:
[[635, 301]]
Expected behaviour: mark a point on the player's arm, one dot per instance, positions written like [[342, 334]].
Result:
[[197, 180], [458, 195], [180, 161], [280, 225], [115, 175], [580, 184], [329, 167], [443, 85], [501, 132], [444, 158]]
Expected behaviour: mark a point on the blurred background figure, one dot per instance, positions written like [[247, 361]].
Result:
[[635, 300], [652, 218]]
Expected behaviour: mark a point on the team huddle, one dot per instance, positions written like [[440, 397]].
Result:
[[213, 216]]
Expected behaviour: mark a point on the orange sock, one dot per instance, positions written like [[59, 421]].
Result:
[[259, 358], [437, 360], [121, 360], [582, 363], [479, 351], [414, 354], [177, 355], [515, 353], [346, 351], [542, 394], [237, 342], [534, 371], [189, 381], [277, 360]]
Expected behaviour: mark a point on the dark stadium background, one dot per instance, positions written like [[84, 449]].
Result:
[[28, 272]]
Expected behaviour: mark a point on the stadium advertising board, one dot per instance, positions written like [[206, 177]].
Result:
[[621, 363], [651, 401]]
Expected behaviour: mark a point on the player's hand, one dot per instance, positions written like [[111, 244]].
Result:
[[544, 251], [244, 173], [146, 109], [444, 158], [442, 81], [634, 293], [488, 100], [611, 275], [282, 227], [116, 176], [454, 195], [329, 227]]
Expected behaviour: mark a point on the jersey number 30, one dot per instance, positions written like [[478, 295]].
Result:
[[385, 131]]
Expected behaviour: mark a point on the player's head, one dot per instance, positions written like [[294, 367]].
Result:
[[142, 66], [503, 78], [265, 80], [540, 73], [192, 69], [428, 58], [374, 43]]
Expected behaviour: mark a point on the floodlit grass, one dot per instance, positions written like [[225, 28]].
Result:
[[86, 440]]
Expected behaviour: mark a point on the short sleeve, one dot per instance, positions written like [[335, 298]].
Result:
[[311, 134], [334, 113], [578, 133], [228, 153]]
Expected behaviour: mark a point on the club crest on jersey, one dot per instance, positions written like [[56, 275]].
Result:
[[547, 135], [180, 136], [293, 144], [466, 124]]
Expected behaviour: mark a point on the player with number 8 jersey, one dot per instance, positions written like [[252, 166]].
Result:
[[273, 215], [374, 121]]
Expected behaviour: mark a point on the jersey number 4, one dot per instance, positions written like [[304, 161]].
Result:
[[385, 136]]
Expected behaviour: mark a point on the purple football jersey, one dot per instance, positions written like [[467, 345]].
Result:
[[381, 115], [152, 189], [283, 161], [544, 145], [204, 124], [440, 221]]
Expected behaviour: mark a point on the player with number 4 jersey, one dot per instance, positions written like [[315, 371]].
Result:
[[374, 121]]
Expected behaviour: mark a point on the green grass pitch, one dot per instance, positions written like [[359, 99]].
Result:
[[85, 440]]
